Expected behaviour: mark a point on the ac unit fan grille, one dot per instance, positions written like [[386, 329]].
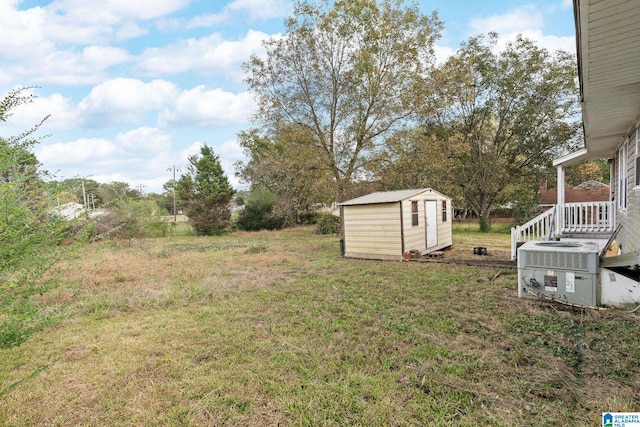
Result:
[[557, 260]]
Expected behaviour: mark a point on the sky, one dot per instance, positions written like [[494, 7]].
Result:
[[134, 87]]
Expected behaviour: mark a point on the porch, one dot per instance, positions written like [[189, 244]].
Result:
[[587, 220]]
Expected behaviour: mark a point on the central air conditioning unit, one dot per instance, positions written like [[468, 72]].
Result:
[[563, 271]]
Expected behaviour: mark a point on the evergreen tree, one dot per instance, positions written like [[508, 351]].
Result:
[[205, 193]]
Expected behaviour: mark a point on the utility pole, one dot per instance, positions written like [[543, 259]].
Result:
[[84, 195], [173, 186]]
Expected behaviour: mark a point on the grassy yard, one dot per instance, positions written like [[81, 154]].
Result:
[[275, 328]]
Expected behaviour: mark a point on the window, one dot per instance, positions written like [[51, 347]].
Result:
[[637, 183], [414, 213], [622, 176], [444, 211]]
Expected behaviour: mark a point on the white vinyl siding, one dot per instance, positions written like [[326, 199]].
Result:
[[627, 216], [444, 227], [383, 229], [372, 229], [414, 237]]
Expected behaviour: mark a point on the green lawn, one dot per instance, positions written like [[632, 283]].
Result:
[[275, 328]]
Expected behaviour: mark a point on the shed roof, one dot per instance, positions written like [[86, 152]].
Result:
[[388, 197]]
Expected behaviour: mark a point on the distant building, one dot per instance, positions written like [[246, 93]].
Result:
[[68, 211], [588, 191]]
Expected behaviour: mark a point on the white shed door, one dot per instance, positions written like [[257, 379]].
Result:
[[431, 221]]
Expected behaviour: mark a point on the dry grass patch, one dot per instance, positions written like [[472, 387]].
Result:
[[275, 328]]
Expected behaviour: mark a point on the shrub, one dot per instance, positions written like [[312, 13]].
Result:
[[127, 220], [308, 218], [328, 223], [258, 213]]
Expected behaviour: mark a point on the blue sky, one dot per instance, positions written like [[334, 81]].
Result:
[[136, 86]]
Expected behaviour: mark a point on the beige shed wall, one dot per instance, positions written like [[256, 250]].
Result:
[[415, 237], [373, 231], [445, 234]]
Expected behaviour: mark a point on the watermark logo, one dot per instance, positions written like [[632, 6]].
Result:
[[621, 419]]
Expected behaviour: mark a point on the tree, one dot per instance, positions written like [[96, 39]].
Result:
[[503, 117], [347, 73], [289, 166], [415, 158], [258, 213], [116, 191], [204, 192], [27, 237], [597, 170]]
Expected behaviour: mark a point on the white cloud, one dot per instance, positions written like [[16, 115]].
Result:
[[190, 151], [60, 109], [231, 150], [67, 67], [442, 53], [139, 156], [201, 107], [550, 43], [249, 10], [525, 20], [40, 36], [208, 55], [27, 33], [20, 28], [125, 99], [114, 11], [261, 9], [72, 153], [144, 139], [130, 30], [516, 20]]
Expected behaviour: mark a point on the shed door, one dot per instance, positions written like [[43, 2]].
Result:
[[431, 221]]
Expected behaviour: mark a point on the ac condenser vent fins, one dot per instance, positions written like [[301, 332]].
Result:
[[557, 260]]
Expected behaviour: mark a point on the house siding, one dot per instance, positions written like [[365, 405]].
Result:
[[373, 231], [629, 236]]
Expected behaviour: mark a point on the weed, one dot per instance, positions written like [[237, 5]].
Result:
[[188, 330], [256, 250]]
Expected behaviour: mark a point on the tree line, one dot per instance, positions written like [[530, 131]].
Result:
[[351, 100]]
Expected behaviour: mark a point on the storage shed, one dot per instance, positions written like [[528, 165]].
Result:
[[385, 225]]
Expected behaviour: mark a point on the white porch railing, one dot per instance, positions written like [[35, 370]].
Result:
[[539, 228], [586, 217]]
